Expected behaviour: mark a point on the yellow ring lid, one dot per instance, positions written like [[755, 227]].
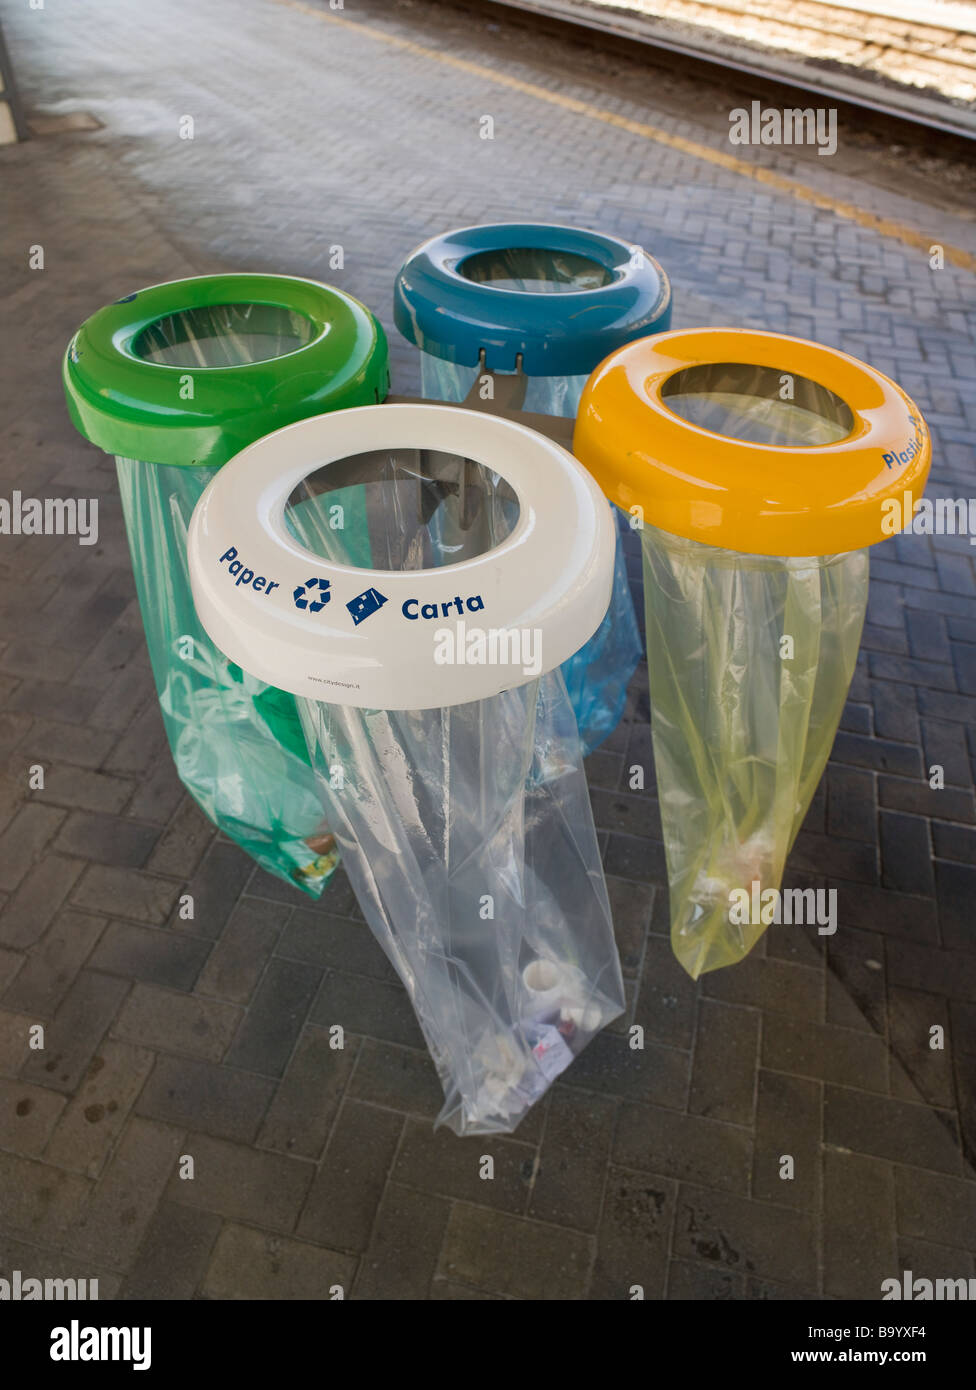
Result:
[[709, 431]]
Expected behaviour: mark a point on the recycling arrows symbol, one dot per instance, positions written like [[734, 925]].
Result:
[[302, 595]]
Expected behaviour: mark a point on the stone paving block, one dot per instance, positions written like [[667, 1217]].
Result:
[[52, 742], [916, 1067], [954, 842], [401, 1260], [688, 1282], [433, 1162], [215, 889], [572, 1161], [788, 1125], [962, 1035], [723, 1077], [825, 1052], [113, 1222], [686, 1147], [97, 1113], [906, 854], [746, 1237], [629, 856], [893, 1129], [398, 1078], [174, 1255], [215, 1100], [242, 1184], [926, 1260], [609, 1065], [634, 1236], [274, 1019], [510, 1255], [858, 1210], [28, 1114], [950, 973], [128, 893], [28, 912], [52, 964], [84, 790], [24, 841], [39, 1202], [851, 809], [772, 985], [371, 1007], [147, 953], [181, 846], [934, 1207], [667, 997], [341, 1205], [337, 942], [168, 1021], [856, 986], [10, 965], [631, 905], [892, 914], [106, 839], [255, 1265], [79, 1025], [157, 795], [239, 958], [307, 1100]]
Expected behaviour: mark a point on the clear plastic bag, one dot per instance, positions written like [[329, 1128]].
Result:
[[466, 832], [598, 675], [750, 661], [237, 743]]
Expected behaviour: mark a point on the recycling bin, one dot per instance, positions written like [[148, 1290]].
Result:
[[514, 316], [173, 380], [442, 735], [764, 468]]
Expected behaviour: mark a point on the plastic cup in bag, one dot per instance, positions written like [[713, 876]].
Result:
[[762, 467], [429, 687], [173, 380], [514, 317]]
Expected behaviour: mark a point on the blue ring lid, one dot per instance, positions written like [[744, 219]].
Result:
[[446, 313]]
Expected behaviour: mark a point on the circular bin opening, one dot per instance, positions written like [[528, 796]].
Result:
[[224, 335], [760, 405], [403, 509], [535, 270]]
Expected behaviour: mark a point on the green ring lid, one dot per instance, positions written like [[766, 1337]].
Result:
[[192, 414]]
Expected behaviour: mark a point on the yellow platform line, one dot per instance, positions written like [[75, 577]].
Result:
[[884, 226]]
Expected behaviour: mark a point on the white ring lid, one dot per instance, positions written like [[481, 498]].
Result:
[[391, 639]]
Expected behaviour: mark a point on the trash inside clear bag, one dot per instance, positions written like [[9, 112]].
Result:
[[466, 831], [237, 743], [598, 675], [750, 659]]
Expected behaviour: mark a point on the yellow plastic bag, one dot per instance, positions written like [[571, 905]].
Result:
[[751, 660]]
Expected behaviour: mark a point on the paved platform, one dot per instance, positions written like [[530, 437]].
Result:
[[165, 1037]]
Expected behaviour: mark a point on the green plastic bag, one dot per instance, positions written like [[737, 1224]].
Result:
[[237, 743], [172, 381]]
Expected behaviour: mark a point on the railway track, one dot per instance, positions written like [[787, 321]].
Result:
[[914, 73]]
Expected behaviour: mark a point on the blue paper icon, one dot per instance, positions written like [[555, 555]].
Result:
[[364, 605]]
